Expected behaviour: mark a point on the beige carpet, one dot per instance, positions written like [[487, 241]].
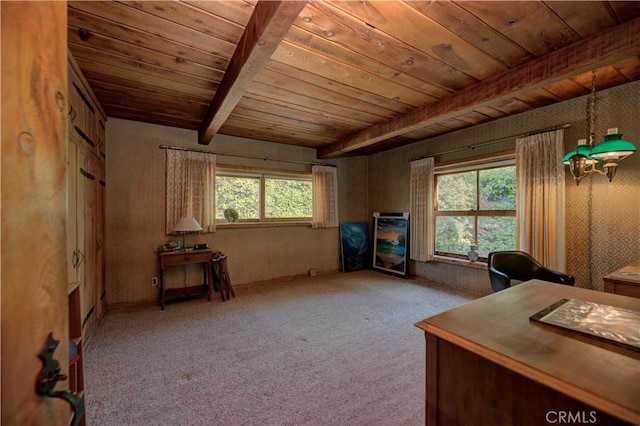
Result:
[[338, 349]]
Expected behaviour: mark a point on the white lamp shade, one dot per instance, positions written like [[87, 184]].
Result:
[[187, 224]]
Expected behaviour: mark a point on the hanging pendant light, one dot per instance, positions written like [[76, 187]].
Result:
[[612, 150], [579, 160], [583, 159]]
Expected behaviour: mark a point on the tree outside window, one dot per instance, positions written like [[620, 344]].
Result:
[[262, 197], [476, 206]]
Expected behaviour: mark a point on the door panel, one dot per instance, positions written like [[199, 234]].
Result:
[[90, 243], [33, 250]]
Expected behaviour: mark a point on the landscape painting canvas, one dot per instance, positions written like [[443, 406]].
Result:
[[354, 237], [391, 243]]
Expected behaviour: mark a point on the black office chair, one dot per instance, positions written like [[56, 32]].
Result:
[[504, 266]]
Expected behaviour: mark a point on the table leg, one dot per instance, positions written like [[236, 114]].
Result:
[[161, 293], [206, 267]]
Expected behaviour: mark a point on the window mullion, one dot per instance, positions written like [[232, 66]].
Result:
[[476, 218], [262, 199]]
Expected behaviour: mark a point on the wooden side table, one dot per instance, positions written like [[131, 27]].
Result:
[[625, 281], [177, 258]]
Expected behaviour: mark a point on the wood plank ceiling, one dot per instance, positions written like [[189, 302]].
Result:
[[347, 77]]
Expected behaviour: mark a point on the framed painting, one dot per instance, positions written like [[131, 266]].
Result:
[[354, 239], [391, 243]]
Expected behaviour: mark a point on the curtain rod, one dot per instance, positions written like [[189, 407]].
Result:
[[472, 147], [255, 157]]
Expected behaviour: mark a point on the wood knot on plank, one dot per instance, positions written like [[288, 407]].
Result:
[[26, 143], [84, 34]]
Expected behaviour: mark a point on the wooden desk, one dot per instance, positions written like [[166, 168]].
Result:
[[486, 363], [625, 281], [177, 258]]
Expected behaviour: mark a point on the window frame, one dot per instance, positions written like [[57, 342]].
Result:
[[485, 163], [262, 175]]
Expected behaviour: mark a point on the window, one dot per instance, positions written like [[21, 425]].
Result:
[[476, 204], [263, 197]]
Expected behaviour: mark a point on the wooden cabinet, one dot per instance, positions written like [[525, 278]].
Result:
[[85, 201], [81, 113]]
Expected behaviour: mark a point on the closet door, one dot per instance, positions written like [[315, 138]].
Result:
[[73, 257], [90, 246], [100, 284], [81, 158]]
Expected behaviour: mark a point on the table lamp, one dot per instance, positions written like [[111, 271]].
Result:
[[185, 225]]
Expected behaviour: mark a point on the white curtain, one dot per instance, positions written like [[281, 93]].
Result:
[[191, 188], [540, 197], [325, 196], [421, 209]]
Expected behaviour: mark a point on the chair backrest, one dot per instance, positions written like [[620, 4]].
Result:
[[506, 265], [517, 265]]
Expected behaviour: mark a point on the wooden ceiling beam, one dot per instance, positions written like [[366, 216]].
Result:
[[606, 47], [265, 30]]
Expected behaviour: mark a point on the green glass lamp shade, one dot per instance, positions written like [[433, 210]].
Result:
[[582, 150], [613, 148]]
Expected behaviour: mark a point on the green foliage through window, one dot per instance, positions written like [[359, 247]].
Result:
[[477, 206], [264, 197], [288, 198], [239, 193]]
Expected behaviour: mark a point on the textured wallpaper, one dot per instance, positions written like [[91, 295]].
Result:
[[602, 219], [602, 222], [136, 213]]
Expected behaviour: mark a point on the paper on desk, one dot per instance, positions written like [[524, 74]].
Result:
[[616, 325]]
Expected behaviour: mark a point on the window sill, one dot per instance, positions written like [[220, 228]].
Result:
[[460, 262], [244, 225]]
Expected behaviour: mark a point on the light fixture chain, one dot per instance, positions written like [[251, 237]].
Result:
[[591, 110]]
